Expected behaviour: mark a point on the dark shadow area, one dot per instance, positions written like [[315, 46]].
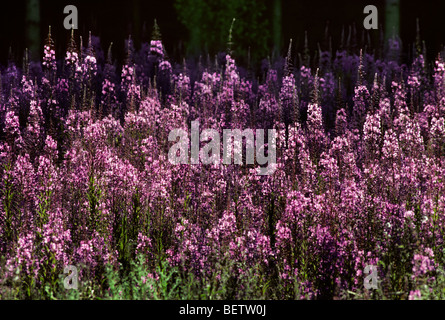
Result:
[[114, 21]]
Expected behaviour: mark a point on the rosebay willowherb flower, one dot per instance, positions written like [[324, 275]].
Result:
[[147, 168]]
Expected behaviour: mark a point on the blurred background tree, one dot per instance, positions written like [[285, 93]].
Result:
[[209, 21], [276, 22], [32, 22], [392, 15]]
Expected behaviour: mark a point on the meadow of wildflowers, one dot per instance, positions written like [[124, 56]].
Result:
[[85, 178]]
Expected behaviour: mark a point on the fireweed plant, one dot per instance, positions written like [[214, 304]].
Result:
[[85, 178]]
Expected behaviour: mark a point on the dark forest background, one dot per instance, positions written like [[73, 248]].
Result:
[[191, 28]]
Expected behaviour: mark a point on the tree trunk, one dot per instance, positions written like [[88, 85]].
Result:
[[32, 28], [136, 22], [392, 19]]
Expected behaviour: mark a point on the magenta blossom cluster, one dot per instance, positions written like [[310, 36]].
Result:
[[359, 180]]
